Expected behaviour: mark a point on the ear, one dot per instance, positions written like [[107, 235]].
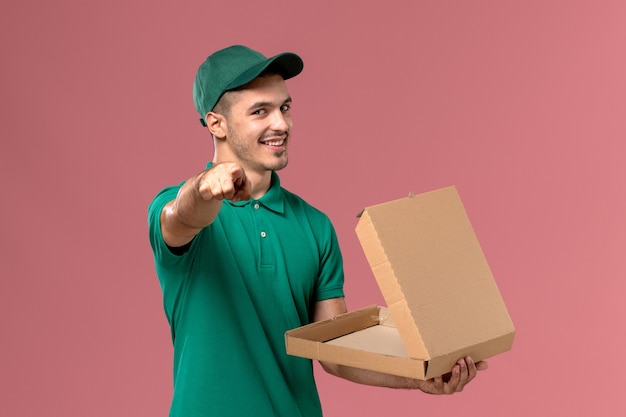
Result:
[[216, 123]]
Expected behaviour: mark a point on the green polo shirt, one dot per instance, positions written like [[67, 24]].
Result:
[[253, 274]]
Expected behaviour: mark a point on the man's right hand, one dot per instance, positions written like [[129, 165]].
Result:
[[199, 201], [225, 181]]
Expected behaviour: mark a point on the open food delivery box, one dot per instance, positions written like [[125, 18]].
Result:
[[442, 301]]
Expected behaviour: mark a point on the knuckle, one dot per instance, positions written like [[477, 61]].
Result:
[[205, 191]]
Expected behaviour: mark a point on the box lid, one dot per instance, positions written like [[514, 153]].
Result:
[[432, 273]]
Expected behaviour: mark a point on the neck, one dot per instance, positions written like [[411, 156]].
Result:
[[260, 182]]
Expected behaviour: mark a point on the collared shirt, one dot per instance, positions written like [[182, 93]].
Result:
[[251, 275]]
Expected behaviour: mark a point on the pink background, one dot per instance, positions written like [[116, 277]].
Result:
[[521, 105]]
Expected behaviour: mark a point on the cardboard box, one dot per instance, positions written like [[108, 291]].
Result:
[[443, 302]]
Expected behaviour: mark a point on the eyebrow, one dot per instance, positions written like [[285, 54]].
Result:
[[258, 104]]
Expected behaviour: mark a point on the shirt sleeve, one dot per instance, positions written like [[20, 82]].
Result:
[[162, 254], [331, 278]]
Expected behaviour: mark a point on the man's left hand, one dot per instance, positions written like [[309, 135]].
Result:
[[462, 374]]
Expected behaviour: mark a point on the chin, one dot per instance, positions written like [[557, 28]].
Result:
[[278, 165]]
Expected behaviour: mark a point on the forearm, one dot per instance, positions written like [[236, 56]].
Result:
[[366, 377], [194, 209], [184, 217], [463, 372]]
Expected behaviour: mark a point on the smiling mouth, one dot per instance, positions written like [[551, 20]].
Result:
[[275, 142]]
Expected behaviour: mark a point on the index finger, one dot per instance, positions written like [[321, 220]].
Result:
[[471, 368]]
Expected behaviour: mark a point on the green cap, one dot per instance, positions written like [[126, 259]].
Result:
[[233, 67]]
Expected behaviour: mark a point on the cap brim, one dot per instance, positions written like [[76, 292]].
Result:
[[287, 64]]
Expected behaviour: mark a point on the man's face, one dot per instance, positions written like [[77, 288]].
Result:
[[259, 124]]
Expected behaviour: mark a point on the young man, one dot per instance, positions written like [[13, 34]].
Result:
[[241, 260]]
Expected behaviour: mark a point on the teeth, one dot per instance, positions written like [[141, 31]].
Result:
[[275, 143]]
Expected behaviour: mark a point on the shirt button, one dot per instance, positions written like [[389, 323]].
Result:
[[256, 206], [263, 234]]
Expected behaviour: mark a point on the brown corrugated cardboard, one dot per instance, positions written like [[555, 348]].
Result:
[[443, 303]]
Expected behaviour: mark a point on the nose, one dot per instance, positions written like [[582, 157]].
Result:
[[281, 121]]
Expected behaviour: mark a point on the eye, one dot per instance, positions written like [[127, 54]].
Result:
[[259, 112], [285, 108]]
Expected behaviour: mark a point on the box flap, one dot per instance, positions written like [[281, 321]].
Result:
[[432, 273]]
